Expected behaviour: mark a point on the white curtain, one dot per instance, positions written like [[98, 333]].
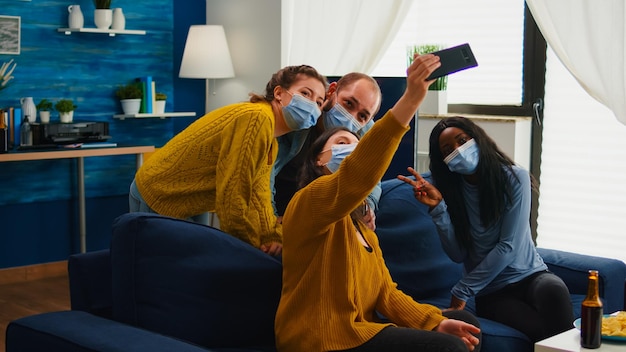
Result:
[[339, 36], [588, 38]]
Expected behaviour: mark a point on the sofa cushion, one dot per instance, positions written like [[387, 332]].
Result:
[[90, 282], [574, 268], [411, 246], [80, 331], [201, 285]]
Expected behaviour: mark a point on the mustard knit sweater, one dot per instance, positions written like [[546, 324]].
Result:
[[332, 285], [220, 163]]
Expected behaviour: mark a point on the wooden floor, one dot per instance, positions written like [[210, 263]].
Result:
[[31, 297]]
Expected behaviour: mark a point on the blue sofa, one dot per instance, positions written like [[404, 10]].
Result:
[[171, 285]]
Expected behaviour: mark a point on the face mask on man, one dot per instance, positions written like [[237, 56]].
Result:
[[338, 116], [301, 113], [464, 159], [365, 128], [339, 152]]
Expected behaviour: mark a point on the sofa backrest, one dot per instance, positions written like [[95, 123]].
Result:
[[411, 245], [192, 282]]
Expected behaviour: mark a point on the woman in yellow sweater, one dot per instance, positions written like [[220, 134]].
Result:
[[335, 281], [222, 162]]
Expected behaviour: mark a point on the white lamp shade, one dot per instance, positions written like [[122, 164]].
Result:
[[206, 54]]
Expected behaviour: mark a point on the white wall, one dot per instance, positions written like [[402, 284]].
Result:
[[253, 33]]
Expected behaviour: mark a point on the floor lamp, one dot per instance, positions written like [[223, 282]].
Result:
[[206, 56]]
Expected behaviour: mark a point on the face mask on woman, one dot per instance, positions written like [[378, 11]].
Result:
[[338, 116], [301, 113], [339, 152], [464, 159]]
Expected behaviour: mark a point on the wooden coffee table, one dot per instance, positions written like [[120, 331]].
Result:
[[569, 341]]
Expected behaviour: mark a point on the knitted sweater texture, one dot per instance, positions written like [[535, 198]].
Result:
[[332, 285], [220, 163]]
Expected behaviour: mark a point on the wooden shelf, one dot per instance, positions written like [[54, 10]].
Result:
[[110, 32], [146, 116]]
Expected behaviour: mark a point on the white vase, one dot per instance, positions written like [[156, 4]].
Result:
[[131, 106], [66, 117], [75, 18], [29, 109], [159, 107], [103, 18], [435, 103], [119, 20]]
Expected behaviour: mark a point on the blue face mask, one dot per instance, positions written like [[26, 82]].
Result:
[[338, 116], [464, 159], [366, 128], [301, 113], [339, 152]]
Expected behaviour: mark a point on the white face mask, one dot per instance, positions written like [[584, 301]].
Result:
[[339, 152], [464, 159], [301, 113], [338, 116]]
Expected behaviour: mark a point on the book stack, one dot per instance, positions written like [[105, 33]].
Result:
[[148, 86]]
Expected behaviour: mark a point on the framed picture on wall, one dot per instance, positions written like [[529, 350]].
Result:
[[9, 35]]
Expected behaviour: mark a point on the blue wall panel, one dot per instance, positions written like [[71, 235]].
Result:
[[38, 206]]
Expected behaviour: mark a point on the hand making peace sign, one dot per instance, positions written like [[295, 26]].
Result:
[[424, 191]]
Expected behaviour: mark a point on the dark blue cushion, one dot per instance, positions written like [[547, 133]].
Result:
[[193, 282], [574, 268], [411, 245], [90, 282], [80, 331], [499, 337]]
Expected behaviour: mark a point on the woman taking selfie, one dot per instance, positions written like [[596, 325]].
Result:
[[335, 282]]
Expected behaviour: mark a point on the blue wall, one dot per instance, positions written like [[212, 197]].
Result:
[[38, 206]]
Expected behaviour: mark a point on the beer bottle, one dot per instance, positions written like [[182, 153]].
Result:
[[591, 314]]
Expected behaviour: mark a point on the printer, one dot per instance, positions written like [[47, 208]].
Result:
[[59, 133]]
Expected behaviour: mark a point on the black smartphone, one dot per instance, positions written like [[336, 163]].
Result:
[[454, 59]]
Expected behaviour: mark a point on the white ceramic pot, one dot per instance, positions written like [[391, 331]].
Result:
[[44, 116], [131, 106], [66, 117], [159, 107], [103, 18]]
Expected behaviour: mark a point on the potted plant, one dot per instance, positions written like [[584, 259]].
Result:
[[66, 108], [159, 104], [44, 107], [103, 15], [436, 100], [130, 97]]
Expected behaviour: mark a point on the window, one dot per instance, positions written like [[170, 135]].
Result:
[[583, 195], [493, 28]]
